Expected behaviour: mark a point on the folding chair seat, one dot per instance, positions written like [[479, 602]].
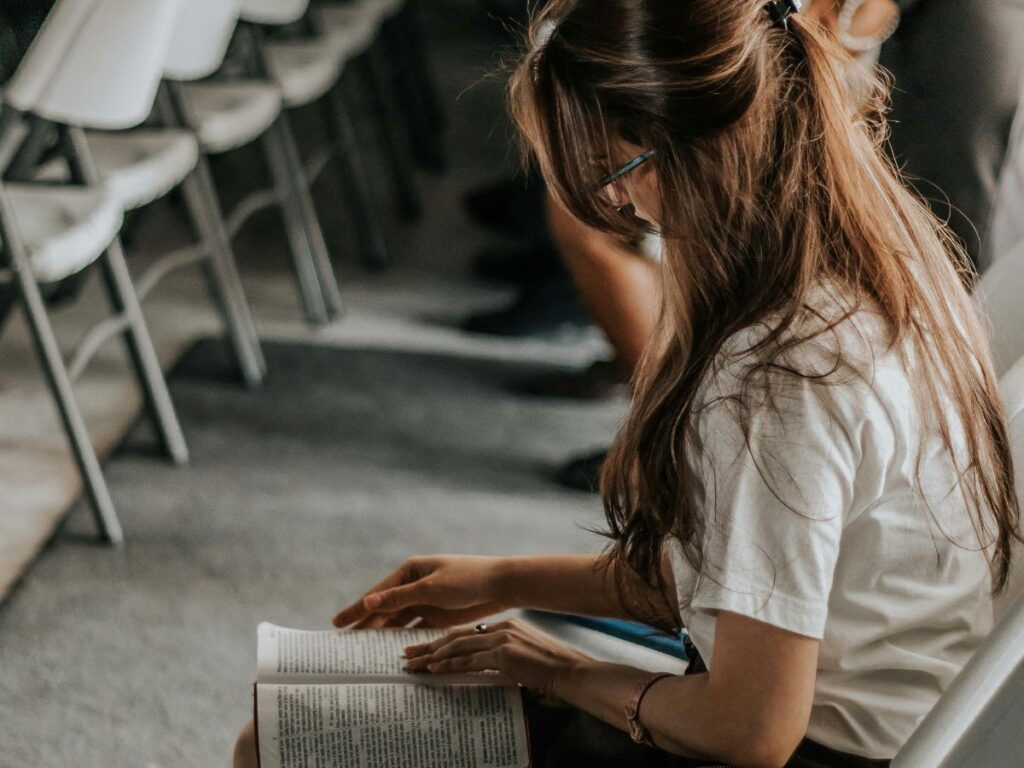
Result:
[[305, 69], [351, 30], [64, 229], [137, 167], [231, 114]]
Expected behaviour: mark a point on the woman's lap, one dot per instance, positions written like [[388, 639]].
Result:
[[561, 736]]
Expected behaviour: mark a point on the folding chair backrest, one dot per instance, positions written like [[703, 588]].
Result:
[[998, 294], [980, 719], [95, 63], [274, 11], [201, 37], [1011, 387]]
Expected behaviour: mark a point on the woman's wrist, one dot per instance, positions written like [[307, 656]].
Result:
[[504, 586], [567, 679]]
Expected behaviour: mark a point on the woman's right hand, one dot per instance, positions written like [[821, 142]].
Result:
[[442, 591]]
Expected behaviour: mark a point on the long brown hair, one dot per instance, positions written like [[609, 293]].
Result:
[[773, 176]]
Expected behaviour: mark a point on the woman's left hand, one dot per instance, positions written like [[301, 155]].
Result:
[[524, 654]]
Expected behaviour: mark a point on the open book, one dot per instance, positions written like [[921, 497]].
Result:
[[338, 699]]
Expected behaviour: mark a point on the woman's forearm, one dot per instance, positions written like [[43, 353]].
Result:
[[752, 709], [582, 584], [565, 583]]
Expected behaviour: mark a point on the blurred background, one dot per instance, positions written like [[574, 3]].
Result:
[[280, 307]]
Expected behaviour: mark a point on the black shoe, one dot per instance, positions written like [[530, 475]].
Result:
[[525, 264], [599, 380], [546, 309], [583, 473], [514, 207]]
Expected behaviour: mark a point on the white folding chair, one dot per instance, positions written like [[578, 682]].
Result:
[[142, 165], [94, 63], [998, 294], [979, 721], [1011, 388], [229, 113], [308, 70]]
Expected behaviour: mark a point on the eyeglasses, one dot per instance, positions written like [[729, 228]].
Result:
[[612, 190]]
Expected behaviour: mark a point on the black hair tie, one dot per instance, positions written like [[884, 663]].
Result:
[[781, 10]]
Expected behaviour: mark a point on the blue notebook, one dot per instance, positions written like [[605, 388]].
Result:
[[630, 631]]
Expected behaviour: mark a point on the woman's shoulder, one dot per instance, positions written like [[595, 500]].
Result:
[[832, 336]]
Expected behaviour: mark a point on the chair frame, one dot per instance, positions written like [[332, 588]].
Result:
[[342, 148], [126, 320], [317, 283]]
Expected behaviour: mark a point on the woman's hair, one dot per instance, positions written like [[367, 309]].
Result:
[[772, 180]]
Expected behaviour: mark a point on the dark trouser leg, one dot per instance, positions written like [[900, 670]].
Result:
[[958, 68], [561, 737]]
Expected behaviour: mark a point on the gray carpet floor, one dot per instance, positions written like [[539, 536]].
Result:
[[298, 497]]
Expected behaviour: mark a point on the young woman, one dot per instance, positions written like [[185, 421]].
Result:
[[814, 479]]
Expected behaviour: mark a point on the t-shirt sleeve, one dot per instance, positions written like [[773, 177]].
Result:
[[772, 496]]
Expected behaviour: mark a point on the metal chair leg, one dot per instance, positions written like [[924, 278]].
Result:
[[74, 425], [396, 149], [311, 221], [221, 271], [367, 223], [118, 283], [296, 206]]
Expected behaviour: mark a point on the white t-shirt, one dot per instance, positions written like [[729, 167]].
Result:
[[819, 528]]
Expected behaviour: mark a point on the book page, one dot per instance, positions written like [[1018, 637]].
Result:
[[391, 726], [334, 655]]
